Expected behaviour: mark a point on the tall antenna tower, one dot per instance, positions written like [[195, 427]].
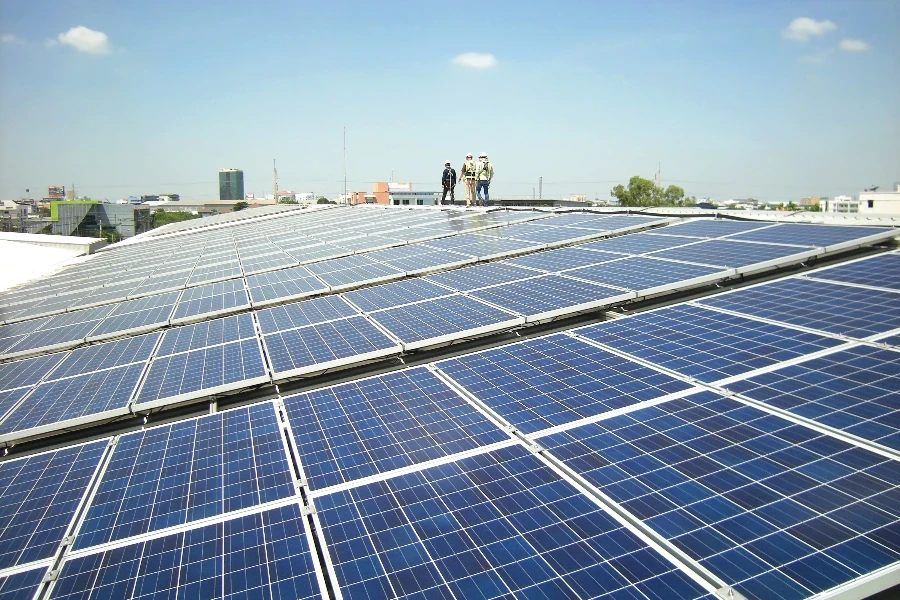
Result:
[[275, 181], [659, 176], [347, 200]]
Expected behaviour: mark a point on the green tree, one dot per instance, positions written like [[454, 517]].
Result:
[[161, 217], [240, 206], [643, 192], [791, 206], [287, 200], [324, 200]]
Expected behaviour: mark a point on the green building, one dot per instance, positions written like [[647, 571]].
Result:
[[231, 184]]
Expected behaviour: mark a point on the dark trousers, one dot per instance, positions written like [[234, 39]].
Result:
[[452, 195]]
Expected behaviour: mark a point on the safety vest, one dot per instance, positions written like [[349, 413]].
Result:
[[469, 170], [485, 171]]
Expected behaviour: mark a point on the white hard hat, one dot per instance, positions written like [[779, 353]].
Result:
[[469, 155], [446, 162], [482, 155]]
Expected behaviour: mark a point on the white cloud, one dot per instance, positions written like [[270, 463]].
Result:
[[475, 60], [855, 46], [8, 38], [803, 28], [85, 40]]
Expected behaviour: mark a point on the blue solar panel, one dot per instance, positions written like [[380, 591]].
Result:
[[424, 260], [27, 372], [705, 344], [12, 334], [834, 308], [639, 273], [216, 272], [638, 243], [8, 399], [397, 293], [276, 260], [208, 333], [617, 222], [554, 261], [440, 317], [301, 314], [360, 275], [774, 509], [340, 264], [325, 342], [283, 284], [708, 228], [264, 555], [235, 364], [308, 254], [548, 381], [484, 246], [809, 235], [106, 356], [727, 253], [497, 525], [382, 423], [64, 399], [583, 221], [855, 390], [210, 298], [69, 328], [479, 276], [546, 293], [537, 232], [879, 271], [40, 496], [138, 313], [23, 585], [187, 471]]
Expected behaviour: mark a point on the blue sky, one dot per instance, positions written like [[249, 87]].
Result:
[[157, 96]]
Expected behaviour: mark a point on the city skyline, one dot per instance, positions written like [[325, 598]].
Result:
[[771, 101]]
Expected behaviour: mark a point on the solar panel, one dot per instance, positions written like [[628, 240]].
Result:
[[538, 232], [484, 247], [479, 276], [203, 372], [354, 277], [164, 283], [638, 243], [855, 390], [300, 314], [208, 333], [211, 299], [261, 555], [774, 509], [105, 356], [705, 344], [60, 331], [256, 264], [383, 423], [442, 319], [216, 272], [191, 470], [23, 585], [548, 381], [562, 259], [582, 221], [500, 524], [40, 496], [642, 274], [138, 314], [9, 399], [712, 228], [834, 308], [326, 345], [27, 372], [424, 261], [398, 293], [726, 253], [288, 283], [879, 271], [309, 254], [550, 296], [812, 235]]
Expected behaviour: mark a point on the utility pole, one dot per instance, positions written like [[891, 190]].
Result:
[[275, 180], [540, 188], [347, 200]]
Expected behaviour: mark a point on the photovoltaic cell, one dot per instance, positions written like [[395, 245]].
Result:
[[382, 423], [142, 312], [204, 369], [62, 329], [359, 275], [40, 496], [191, 470], [300, 314], [325, 342], [638, 243], [712, 228], [497, 525], [553, 380], [208, 333], [281, 284], [879, 271], [83, 395], [225, 270], [705, 344], [850, 311], [774, 509], [535, 232], [639, 273], [546, 293], [27, 372], [397, 293], [726, 253], [562, 259], [23, 585], [10, 398], [440, 317], [211, 298], [483, 246], [105, 356], [422, 261], [263, 555], [479, 276], [855, 390], [809, 235]]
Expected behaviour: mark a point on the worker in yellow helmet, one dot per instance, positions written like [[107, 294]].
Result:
[[469, 174], [485, 175]]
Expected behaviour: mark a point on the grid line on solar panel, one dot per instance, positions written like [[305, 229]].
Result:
[[176, 474], [302, 314], [23, 585], [815, 235], [647, 274], [357, 276], [500, 524], [27, 372], [205, 334], [484, 247], [140, 314], [479, 276], [734, 254], [704, 344], [215, 298], [41, 494], [445, 318], [712, 228], [856, 390], [9, 399], [326, 345], [262, 555], [105, 356], [397, 293], [562, 259], [882, 271], [824, 306], [61, 331], [772, 508], [543, 234], [380, 424], [544, 382], [638, 243]]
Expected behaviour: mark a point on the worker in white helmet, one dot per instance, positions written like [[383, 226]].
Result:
[[448, 180], [469, 173], [485, 175]]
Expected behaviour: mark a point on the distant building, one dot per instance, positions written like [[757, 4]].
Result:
[[868, 202], [231, 184], [841, 204]]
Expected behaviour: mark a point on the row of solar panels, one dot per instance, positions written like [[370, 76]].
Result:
[[565, 466], [94, 383]]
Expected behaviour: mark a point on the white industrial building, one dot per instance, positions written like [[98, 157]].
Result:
[[867, 203]]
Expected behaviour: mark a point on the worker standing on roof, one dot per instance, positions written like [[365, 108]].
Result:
[[485, 174], [448, 180], [469, 173]]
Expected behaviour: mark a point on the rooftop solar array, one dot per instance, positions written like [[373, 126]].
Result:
[[743, 444]]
